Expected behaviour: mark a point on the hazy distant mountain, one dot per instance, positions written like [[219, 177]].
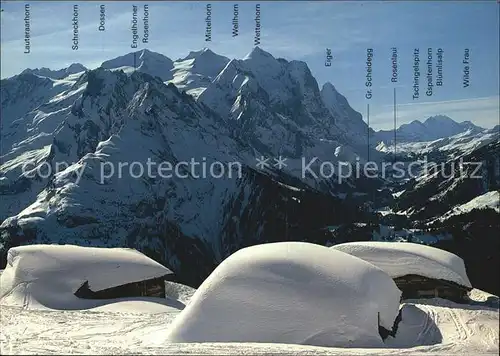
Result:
[[435, 127]]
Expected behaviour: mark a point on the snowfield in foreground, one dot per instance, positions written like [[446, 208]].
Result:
[[290, 292], [266, 295], [433, 327], [398, 259]]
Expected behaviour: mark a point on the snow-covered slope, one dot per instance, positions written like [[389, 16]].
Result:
[[433, 128], [47, 276], [31, 115], [290, 292], [75, 68], [276, 106], [456, 180], [489, 200], [402, 258], [107, 111]]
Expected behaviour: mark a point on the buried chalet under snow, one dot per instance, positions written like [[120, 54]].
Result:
[[419, 271]]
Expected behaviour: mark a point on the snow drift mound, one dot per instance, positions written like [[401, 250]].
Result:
[[179, 292], [292, 293], [404, 258], [49, 275]]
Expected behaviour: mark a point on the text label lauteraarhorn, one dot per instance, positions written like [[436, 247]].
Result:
[[27, 28]]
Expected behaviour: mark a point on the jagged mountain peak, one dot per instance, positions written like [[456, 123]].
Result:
[[146, 61], [258, 53], [439, 119], [204, 62], [76, 67], [196, 71], [344, 116], [204, 52], [330, 94]]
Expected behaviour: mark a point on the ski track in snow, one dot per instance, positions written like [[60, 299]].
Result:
[[472, 331]]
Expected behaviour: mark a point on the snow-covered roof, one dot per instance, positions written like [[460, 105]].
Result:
[[290, 292], [403, 258], [49, 275]]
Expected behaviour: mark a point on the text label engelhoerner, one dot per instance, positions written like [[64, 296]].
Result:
[[134, 29]]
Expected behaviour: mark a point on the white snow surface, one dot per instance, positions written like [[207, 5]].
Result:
[[290, 293], [179, 292], [429, 327], [403, 258], [47, 276]]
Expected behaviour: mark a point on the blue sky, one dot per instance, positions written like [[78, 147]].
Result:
[[293, 30]]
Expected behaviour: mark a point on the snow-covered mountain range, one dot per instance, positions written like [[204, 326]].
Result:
[[433, 128], [63, 131], [253, 107], [56, 74]]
